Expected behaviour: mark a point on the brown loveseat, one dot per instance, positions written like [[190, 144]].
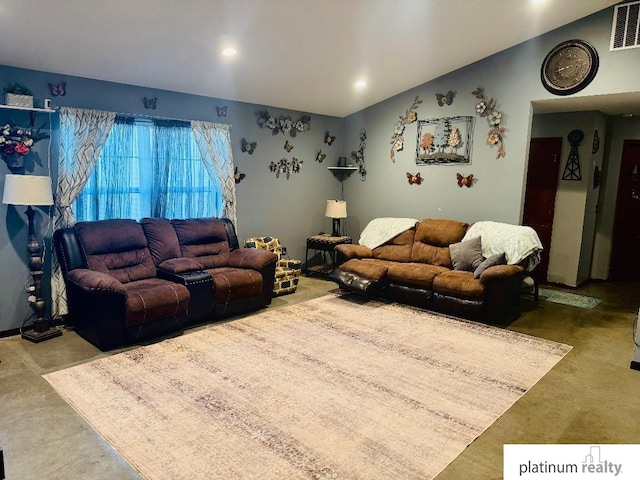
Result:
[[128, 281], [416, 267]]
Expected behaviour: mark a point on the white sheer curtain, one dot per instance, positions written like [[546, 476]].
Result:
[[214, 144], [82, 136]]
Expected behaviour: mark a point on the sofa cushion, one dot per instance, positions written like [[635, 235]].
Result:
[[396, 253], [231, 284], [180, 265], [204, 239], [153, 299], [417, 275], [162, 239], [116, 247], [423, 253], [440, 232], [466, 255], [372, 270], [397, 249], [490, 261], [456, 283]]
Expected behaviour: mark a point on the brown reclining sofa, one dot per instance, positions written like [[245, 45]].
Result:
[[416, 268], [129, 281]]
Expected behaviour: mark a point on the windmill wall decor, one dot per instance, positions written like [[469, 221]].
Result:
[[572, 168]]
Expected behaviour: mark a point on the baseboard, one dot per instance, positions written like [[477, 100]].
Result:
[[575, 287], [635, 365], [10, 333], [560, 285]]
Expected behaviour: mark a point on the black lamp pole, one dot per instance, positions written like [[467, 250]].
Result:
[[42, 329]]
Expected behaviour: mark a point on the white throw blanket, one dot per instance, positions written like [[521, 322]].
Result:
[[516, 241], [381, 230]]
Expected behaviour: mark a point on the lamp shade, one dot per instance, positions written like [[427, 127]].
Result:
[[336, 209], [27, 190]]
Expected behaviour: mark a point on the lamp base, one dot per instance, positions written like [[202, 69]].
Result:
[[37, 337], [336, 228]]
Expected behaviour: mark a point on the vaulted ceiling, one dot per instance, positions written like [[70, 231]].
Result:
[[299, 54]]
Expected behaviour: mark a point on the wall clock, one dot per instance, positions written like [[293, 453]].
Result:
[[569, 67]]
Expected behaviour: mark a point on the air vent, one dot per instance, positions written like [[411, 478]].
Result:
[[625, 32]]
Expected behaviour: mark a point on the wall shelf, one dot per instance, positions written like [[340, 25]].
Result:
[[342, 173], [27, 109]]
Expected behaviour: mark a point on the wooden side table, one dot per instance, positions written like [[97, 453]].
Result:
[[323, 243]]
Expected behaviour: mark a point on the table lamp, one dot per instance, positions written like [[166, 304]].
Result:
[[336, 209], [32, 190]]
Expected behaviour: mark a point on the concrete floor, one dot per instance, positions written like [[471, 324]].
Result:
[[591, 396]]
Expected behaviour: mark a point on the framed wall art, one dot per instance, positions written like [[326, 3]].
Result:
[[443, 141]]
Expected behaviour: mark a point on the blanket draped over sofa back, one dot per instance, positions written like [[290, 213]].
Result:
[[518, 242]]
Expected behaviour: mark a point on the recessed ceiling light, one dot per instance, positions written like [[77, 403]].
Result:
[[361, 84], [229, 52]]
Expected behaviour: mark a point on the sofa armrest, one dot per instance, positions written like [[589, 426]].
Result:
[[251, 258], [180, 265], [186, 278], [346, 252], [90, 280], [499, 272], [262, 261], [200, 286]]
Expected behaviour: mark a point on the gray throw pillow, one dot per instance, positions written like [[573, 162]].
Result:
[[466, 255], [490, 261]]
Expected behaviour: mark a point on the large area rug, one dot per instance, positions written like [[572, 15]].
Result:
[[332, 388]]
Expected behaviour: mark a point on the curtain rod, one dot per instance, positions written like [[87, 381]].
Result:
[[124, 114]]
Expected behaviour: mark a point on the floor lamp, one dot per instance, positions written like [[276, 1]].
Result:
[[32, 190]]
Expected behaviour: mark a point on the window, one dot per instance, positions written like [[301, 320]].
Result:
[[149, 168]]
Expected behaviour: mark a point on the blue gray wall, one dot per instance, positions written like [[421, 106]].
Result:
[[294, 209], [512, 77], [289, 209]]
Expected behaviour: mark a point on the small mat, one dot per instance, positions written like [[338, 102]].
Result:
[[571, 299]]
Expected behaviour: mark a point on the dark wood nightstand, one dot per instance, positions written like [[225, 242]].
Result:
[[323, 243]]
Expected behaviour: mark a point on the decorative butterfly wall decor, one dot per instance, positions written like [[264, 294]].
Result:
[[59, 90], [287, 146], [414, 179], [222, 111], [150, 103], [328, 138], [445, 99], [286, 167], [248, 147], [239, 176], [320, 156], [465, 181]]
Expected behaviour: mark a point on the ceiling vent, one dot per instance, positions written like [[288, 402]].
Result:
[[625, 32]]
